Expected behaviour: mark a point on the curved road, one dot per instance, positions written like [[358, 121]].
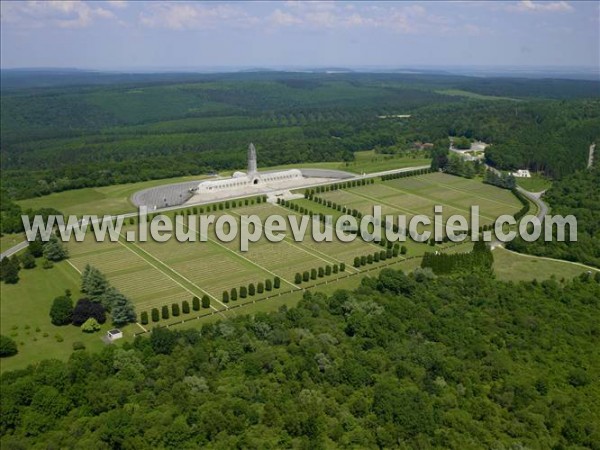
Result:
[[536, 197]]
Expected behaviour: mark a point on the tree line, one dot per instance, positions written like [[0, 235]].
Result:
[[403, 360]]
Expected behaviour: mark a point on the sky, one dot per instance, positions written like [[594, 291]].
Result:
[[176, 35]]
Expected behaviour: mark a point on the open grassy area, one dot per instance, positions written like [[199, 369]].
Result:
[[419, 194], [9, 240], [368, 162], [116, 199], [511, 266], [473, 95], [25, 317], [99, 200], [154, 274], [536, 183]]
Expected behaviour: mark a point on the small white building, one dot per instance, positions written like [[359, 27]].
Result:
[[114, 334], [521, 173]]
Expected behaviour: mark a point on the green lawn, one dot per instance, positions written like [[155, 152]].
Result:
[[116, 199], [25, 308], [9, 240], [154, 274], [511, 266], [99, 200], [536, 183], [473, 95], [367, 162]]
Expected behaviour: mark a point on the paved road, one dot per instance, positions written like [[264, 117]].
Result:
[[542, 207], [536, 197], [22, 245]]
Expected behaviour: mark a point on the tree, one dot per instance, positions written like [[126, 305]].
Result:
[[206, 300], [85, 308], [276, 282], [165, 312], [268, 285], [144, 318], [28, 260], [327, 270], [36, 247], [175, 309], [342, 267], [260, 287], [61, 311], [305, 276], [297, 278], [233, 295], [122, 310], [93, 283], [243, 292], [185, 307], [162, 340], [8, 347], [90, 326], [196, 303], [313, 274], [10, 270], [54, 250], [321, 272], [155, 315], [251, 289], [225, 297]]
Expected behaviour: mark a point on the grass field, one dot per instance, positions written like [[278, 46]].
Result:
[[473, 95], [369, 162], [536, 183], [9, 240], [154, 274], [24, 316], [116, 199], [100, 200], [419, 194], [511, 266]]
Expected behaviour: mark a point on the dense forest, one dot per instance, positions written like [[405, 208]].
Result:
[[118, 129], [577, 194], [414, 361]]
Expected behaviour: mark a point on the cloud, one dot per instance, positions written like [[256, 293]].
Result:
[[392, 17], [284, 19], [187, 16], [533, 6], [63, 14], [120, 4]]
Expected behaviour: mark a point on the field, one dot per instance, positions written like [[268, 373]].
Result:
[[536, 183], [472, 95], [100, 200], [155, 274], [24, 316], [511, 266], [419, 195], [9, 240], [116, 199]]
